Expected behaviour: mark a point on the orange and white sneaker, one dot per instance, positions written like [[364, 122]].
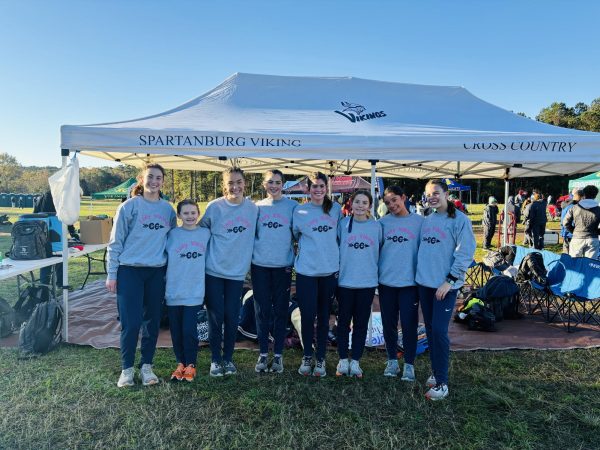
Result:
[[189, 373], [178, 373]]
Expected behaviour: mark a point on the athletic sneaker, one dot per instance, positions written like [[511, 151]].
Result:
[[261, 364], [178, 373], [355, 370], [431, 381], [342, 368], [276, 364], [319, 370], [126, 378], [438, 392], [229, 368], [391, 368], [216, 369], [306, 366], [148, 376], [409, 373], [189, 373]]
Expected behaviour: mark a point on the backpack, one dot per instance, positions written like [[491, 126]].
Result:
[[7, 318], [29, 298], [30, 240], [501, 295], [476, 315], [42, 332], [532, 268]]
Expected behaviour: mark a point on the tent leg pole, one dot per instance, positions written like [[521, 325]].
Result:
[[505, 214], [65, 264], [373, 181]]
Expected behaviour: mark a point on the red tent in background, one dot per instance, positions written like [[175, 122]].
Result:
[[339, 184]]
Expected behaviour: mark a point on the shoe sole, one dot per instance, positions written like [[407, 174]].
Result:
[[319, 375], [150, 383], [261, 370], [230, 373], [275, 370], [340, 374], [394, 375], [216, 375], [304, 374], [410, 380], [189, 380], [356, 375], [435, 399], [125, 384]]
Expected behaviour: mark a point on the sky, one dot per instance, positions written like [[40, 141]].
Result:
[[85, 61]]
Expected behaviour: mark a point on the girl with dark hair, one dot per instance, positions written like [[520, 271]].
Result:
[[397, 288], [271, 269], [184, 295], [359, 237], [136, 270], [445, 252], [231, 220], [317, 263]]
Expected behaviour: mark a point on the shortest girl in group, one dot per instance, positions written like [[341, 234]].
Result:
[[186, 250], [360, 238]]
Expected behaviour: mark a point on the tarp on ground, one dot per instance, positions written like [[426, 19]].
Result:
[[338, 125], [117, 192], [341, 184], [593, 179]]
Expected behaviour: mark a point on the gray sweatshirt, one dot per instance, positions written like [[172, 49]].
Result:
[[186, 252], [232, 229], [139, 234], [398, 257], [316, 233], [273, 242], [359, 253], [447, 247]]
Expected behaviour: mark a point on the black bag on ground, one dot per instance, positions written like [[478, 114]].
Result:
[[30, 297], [7, 318], [476, 315], [42, 332], [30, 240], [532, 268], [508, 253], [501, 294]]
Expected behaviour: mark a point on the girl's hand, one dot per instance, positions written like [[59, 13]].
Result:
[[441, 292], [111, 285]]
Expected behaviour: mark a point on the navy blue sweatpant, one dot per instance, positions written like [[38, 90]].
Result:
[[271, 288], [223, 299], [184, 332], [354, 305], [315, 295], [437, 315], [140, 293], [403, 301]]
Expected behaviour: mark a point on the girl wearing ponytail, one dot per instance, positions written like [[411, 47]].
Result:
[[359, 238], [446, 250], [317, 263]]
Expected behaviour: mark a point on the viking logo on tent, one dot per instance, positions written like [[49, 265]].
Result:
[[354, 112]]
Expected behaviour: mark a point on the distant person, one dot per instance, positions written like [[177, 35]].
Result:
[[549, 199], [519, 206], [382, 210], [535, 215], [13, 202], [583, 220], [574, 197], [20, 202], [490, 220]]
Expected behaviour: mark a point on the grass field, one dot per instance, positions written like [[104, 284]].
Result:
[[499, 400]]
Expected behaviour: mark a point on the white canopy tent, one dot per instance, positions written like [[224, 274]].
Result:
[[341, 126]]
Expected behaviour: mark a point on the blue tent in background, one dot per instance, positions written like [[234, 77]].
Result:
[[454, 185]]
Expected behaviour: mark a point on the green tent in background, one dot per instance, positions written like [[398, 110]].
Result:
[[117, 192], [593, 178]]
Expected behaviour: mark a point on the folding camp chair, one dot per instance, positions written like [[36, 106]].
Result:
[[477, 275], [576, 299]]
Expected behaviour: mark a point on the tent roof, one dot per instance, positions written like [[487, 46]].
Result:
[[336, 125], [118, 191], [338, 184]]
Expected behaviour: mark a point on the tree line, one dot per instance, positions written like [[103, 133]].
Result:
[[205, 186]]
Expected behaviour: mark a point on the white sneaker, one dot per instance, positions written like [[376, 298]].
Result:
[[342, 368], [126, 378], [148, 376], [306, 366], [319, 370], [431, 381], [355, 370], [216, 369], [409, 373], [391, 368], [438, 392]]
